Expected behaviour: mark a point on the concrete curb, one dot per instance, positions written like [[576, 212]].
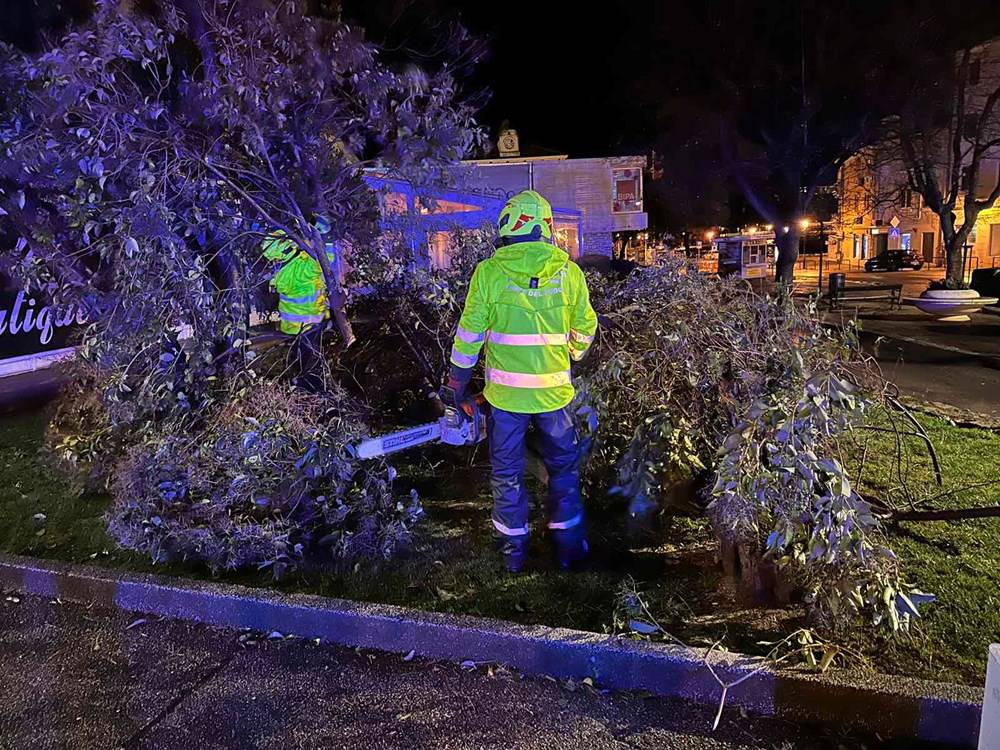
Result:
[[896, 707]]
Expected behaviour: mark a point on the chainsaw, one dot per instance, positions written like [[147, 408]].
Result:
[[465, 427]]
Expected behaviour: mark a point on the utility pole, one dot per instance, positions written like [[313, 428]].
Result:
[[822, 252]]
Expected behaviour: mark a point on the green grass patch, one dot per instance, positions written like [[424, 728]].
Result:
[[958, 561], [453, 567]]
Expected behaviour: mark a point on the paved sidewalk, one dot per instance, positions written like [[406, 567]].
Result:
[[956, 365], [979, 336], [71, 677]]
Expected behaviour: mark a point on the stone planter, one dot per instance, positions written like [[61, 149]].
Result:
[[951, 305]]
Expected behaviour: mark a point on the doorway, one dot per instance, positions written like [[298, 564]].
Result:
[[927, 247]]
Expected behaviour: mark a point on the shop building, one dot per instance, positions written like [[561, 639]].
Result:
[[606, 191]]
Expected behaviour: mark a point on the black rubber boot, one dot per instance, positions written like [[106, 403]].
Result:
[[514, 550], [571, 547]]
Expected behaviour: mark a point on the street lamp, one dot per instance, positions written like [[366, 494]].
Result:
[[803, 226], [710, 235]]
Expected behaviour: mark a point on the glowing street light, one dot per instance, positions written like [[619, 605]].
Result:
[[804, 224], [710, 235]]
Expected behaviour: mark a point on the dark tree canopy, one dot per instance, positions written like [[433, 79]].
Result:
[[149, 151]]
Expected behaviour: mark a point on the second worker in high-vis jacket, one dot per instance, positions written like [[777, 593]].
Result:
[[529, 306]]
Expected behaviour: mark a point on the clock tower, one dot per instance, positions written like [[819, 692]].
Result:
[[508, 144]]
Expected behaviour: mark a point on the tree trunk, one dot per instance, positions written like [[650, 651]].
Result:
[[954, 251], [954, 271], [787, 244], [335, 295], [755, 580]]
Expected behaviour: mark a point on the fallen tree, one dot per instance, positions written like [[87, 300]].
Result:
[[147, 153], [721, 401]]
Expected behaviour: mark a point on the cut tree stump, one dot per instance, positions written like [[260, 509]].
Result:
[[757, 580]]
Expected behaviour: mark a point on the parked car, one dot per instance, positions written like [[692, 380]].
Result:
[[894, 260]]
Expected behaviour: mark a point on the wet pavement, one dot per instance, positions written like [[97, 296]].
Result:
[[73, 677]]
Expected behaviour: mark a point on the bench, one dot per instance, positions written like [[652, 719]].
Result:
[[867, 292]]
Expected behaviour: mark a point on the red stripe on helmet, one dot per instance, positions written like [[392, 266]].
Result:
[[521, 221]]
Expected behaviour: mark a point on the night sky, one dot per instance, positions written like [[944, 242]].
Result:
[[560, 72], [612, 78]]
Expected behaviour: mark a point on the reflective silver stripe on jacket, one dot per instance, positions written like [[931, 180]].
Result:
[[302, 318], [470, 337], [527, 380], [528, 339], [300, 300], [463, 360]]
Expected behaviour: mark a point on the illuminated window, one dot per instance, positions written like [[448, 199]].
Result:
[[568, 237], [626, 190], [754, 254], [438, 246], [394, 203], [442, 206]]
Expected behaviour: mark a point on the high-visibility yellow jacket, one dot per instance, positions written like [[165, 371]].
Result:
[[530, 306], [299, 283]]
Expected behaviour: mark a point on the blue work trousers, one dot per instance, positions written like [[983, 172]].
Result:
[[560, 454]]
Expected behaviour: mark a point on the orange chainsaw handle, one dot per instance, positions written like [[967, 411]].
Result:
[[471, 405]]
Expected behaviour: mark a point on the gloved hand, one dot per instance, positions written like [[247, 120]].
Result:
[[452, 394], [453, 391]]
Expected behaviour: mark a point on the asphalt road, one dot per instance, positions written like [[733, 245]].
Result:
[[951, 377], [71, 677]]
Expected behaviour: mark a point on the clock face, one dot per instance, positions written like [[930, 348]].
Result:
[[508, 143]]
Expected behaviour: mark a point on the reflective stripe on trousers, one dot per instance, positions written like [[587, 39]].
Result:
[[507, 531], [575, 521]]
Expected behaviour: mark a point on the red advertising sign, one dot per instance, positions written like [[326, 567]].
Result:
[[626, 188]]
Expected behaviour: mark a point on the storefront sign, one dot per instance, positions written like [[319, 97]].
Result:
[[626, 190], [28, 325]]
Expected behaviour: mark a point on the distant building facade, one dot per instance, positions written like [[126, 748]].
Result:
[[607, 191], [428, 221], [878, 211]]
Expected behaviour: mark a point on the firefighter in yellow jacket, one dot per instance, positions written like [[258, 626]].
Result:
[[302, 302], [529, 306]]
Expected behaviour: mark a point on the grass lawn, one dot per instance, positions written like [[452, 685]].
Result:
[[959, 561], [454, 569]]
